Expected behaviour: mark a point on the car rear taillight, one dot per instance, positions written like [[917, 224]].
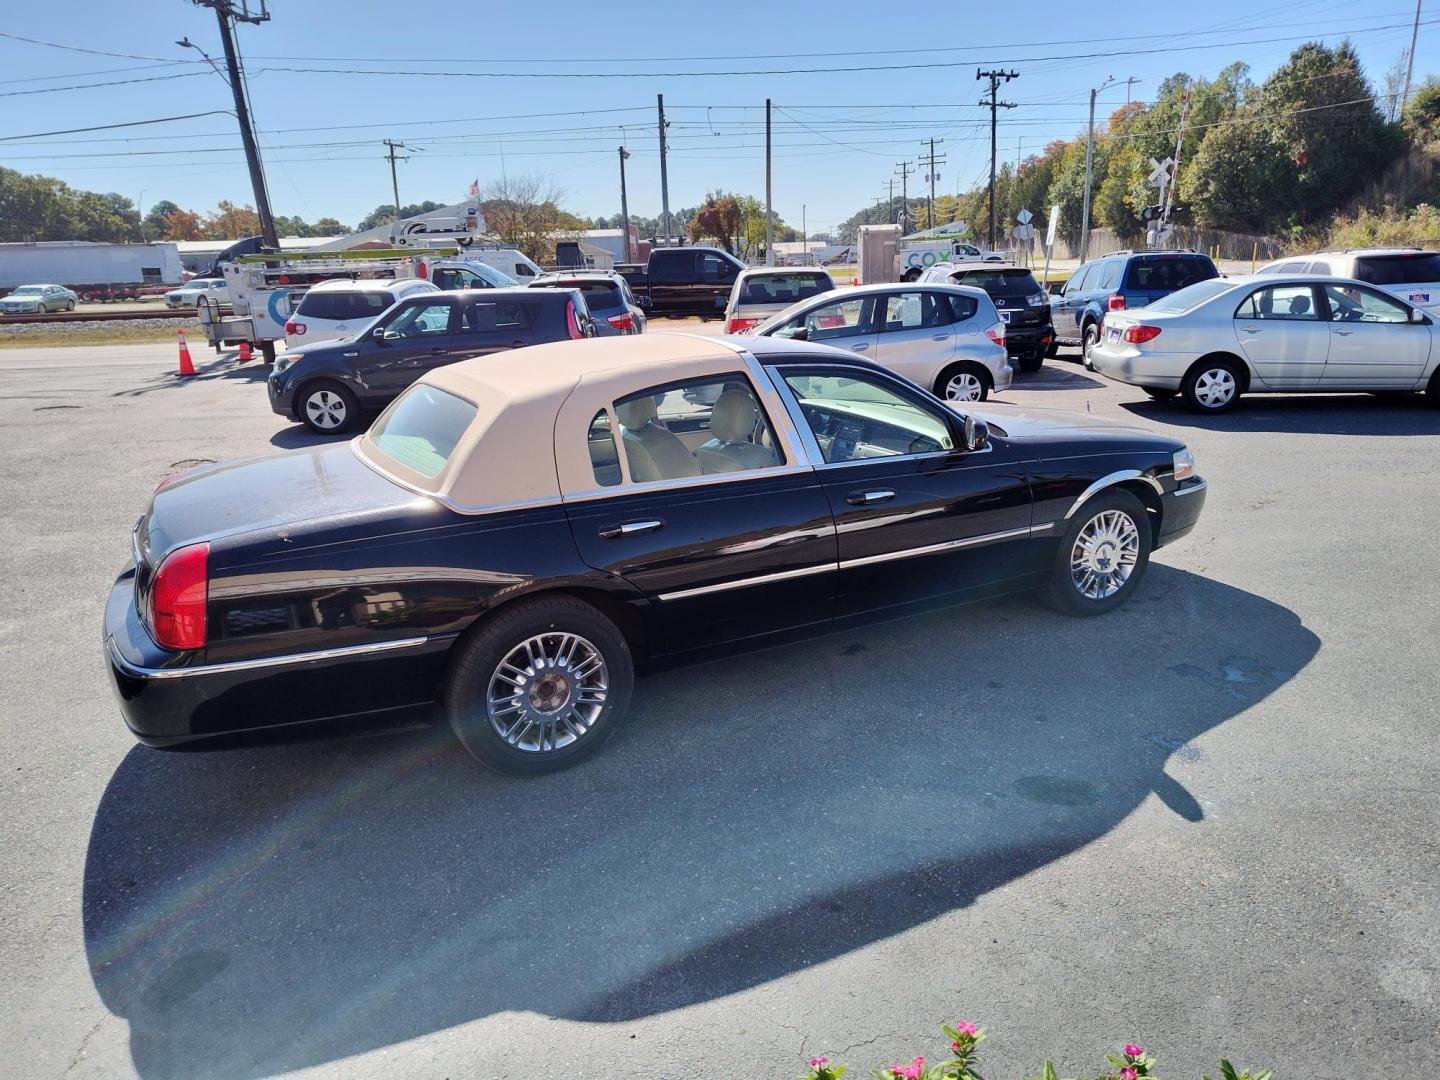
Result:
[[996, 333], [624, 322], [178, 595], [292, 327], [1138, 335], [572, 321], [1115, 302], [740, 326]]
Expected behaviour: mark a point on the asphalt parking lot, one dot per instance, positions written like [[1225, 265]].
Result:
[[1206, 823]]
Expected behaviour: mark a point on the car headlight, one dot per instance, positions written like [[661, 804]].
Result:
[[1184, 464], [285, 360]]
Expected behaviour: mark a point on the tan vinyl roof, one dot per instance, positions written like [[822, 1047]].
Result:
[[521, 448]]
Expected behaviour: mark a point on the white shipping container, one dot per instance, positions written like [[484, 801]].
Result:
[[72, 263]]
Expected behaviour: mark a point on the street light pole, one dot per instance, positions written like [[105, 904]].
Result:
[[1089, 171], [624, 207]]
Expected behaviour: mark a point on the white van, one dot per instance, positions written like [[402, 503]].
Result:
[[339, 308], [506, 260]]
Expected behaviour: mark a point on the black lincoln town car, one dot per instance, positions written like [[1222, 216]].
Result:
[[517, 534]]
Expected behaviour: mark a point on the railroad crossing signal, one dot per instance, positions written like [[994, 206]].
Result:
[[1161, 174]]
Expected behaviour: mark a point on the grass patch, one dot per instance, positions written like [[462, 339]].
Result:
[[49, 336]]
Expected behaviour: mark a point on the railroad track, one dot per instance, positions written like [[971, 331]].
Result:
[[103, 316]]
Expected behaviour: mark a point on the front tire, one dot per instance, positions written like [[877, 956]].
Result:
[[540, 687], [1102, 556], [327, 408], [1088, 341], [1211, 386], [965, 381], [70, 305]]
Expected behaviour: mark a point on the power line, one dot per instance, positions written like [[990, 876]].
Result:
[[92, 52], [111, 127], [94, 85]]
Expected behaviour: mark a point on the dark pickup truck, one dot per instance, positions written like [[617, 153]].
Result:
[[683, 281]]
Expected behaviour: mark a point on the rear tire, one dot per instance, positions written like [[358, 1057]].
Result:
[[1052, 350], [1432, 390], [965, 381], [70, 305], [1088, 341], [1102, 555], [327, 408], [1212, 386], [540, 686], [1031, 361]]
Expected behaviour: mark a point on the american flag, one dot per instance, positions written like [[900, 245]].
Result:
[[475, 187]]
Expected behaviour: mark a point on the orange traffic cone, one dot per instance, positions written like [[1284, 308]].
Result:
[[187, 366], [245, 354]]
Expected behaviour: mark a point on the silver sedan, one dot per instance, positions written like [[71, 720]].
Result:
[[37, 300], [947, 338], [1219, 339]]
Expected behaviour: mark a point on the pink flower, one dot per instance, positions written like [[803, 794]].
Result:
[[1132, 1050], [966, 1028], [815, 1063], [956, 1046], [1128, 1073]]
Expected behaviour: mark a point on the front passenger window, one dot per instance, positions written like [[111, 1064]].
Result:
[[1349, 304], [856, 416]]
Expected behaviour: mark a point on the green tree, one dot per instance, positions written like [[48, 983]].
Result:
[[153, 224], [1242, 179]]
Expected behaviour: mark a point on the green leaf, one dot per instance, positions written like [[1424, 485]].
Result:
[[1227, 1071], [1050, 1073]]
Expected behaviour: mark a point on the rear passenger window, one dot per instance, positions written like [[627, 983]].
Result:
[[698, 428], [604, 458], [1109, 275], [487, 317], [915, 311], [1287, 302]]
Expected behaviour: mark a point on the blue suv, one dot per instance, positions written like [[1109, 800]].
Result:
[[1117, 281]]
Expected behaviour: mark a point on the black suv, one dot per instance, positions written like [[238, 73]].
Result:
[[1118, 281], [1023, 306], [328, 385]]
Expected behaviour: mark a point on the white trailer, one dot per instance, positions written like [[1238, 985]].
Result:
[[95, 271]]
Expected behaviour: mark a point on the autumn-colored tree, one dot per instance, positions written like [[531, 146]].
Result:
[[231, 222], [720, 219], [524, 212], [183, 225]]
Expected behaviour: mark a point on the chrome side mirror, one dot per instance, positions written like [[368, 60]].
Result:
[[977, 434]]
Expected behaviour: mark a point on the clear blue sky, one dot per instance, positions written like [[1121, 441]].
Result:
[[839, 134]]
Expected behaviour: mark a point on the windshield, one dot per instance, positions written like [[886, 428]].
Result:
[[1192, 296], [497, 278], [27, 290], [420, 430]]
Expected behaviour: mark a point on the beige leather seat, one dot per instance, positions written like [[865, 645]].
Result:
[[733, 426], [652, 450]]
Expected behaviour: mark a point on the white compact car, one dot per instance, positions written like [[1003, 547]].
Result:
[[341, 308], [1409, 273], [197, 289], [947, 338], [1219, 339]]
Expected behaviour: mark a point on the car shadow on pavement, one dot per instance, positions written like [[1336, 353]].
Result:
[[223, 366], [1052, 376], [1304, 414], [296, 435], [274, 907]]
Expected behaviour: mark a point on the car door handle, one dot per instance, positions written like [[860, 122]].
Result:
[[1343, 333], [517, 344], [1250, 329], [869, 498], [939, 337], [436, 350], [631, 528], [861, 347]]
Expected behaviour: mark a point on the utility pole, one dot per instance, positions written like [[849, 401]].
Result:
[[930, 163], [664, 183], [624, 208], [1089, 170], [225, 13], [804, 237], [769, 217], [1131, 81], [995, 77], [1410, 63], [890, 203], [905, 169], [390, 148]]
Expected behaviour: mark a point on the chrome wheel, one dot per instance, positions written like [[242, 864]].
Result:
[[1105, 554], [326, 410], [1215, 388], [964, 386], [547, 692]]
